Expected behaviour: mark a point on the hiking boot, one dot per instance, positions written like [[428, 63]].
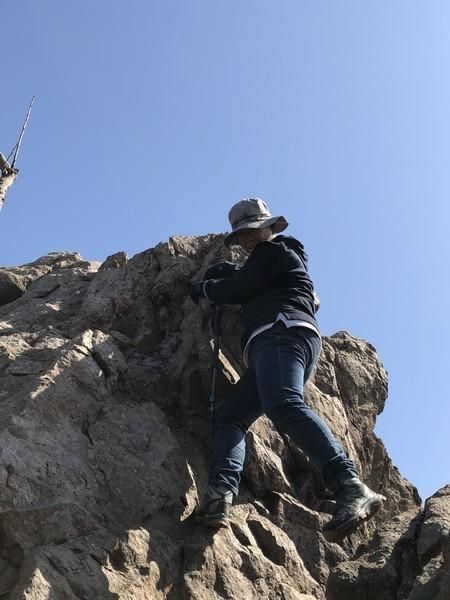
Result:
[[355, 503], [214, 510]]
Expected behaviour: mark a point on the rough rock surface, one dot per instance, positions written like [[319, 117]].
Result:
[[104, 444]]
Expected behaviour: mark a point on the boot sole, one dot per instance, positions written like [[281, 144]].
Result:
[[214, 521], [366, 512]]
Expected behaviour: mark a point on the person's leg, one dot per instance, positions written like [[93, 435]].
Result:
[[232, 419], [283, 358]]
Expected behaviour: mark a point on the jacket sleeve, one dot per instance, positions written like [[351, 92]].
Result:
[[263, 265], [221, 270]]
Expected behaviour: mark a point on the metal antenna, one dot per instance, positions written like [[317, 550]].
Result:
[[8, 172], [17, 146]]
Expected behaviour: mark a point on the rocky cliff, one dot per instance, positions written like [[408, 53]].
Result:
[[105, 441]]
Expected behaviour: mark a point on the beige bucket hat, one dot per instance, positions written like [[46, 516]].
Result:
[[252, 213]]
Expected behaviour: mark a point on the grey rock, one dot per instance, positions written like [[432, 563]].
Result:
[[12, 286], [105, 442], [115, 261]]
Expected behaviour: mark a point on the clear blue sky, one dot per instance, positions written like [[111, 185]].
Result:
[[153, 117]]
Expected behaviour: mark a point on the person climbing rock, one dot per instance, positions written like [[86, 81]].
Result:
[[281, 345]]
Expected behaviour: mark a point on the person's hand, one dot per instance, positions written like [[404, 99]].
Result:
[[196, 291], [221, 270], [316, 302]]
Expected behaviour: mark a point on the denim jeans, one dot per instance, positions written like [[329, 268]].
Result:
[[280, 361]]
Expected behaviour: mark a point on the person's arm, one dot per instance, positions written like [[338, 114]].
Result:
[[263, 265], [222, 270]]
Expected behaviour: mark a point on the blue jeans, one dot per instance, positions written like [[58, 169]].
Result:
[[280, 361]]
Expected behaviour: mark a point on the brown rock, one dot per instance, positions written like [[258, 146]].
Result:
[[105, 444], [433, 549]]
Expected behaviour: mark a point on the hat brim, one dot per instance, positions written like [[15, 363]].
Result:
[[278, 224]]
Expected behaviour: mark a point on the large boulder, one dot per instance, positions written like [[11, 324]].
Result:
[[15, 280], [105, 373]]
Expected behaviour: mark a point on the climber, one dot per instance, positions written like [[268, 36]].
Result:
[[281, 344]]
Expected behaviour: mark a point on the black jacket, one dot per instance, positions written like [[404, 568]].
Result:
[[273, 280]]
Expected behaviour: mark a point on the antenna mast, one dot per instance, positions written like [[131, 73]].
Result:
[[8, 171]]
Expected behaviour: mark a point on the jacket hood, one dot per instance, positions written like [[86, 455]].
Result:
[[293, 244]]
